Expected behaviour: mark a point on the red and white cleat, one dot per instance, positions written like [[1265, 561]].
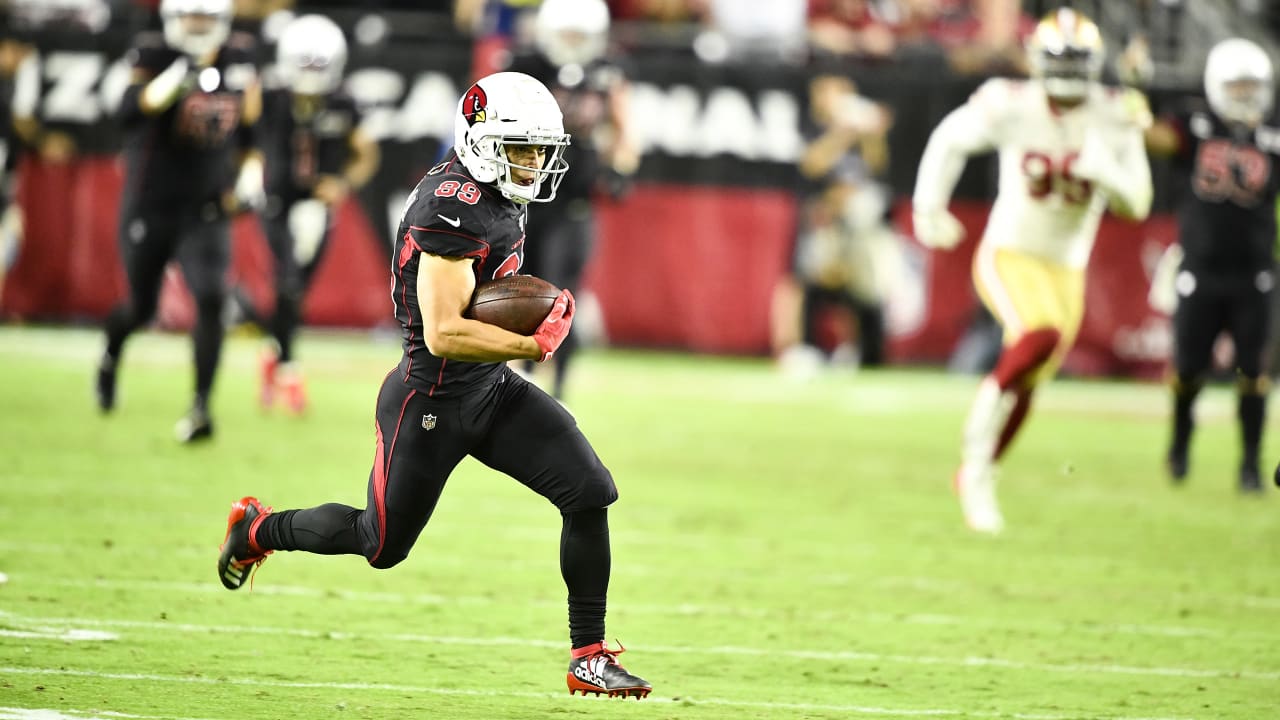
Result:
[[239, 554], [293, 387], [268, 364], [594, 669]]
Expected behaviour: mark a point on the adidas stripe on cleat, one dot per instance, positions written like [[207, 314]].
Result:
[[594, 670], [239, 556]]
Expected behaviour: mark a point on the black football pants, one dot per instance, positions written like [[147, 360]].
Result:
[[508, 424], [292, 278], [1240, 306], [200, 239]]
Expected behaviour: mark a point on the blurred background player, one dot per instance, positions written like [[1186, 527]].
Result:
[[453, 394], [1068, 147], [16, 71], [571, 38], [188, 114], [316, 155], [1226, 232], [845, 255]]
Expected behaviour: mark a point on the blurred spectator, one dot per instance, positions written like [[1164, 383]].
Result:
[[1162, 22], [1134, 65], [498, 26], [849, 27], [660, 11], [994, 41], [260, 9], [978, 36], [754, 28], [845, 255], [62, 15]]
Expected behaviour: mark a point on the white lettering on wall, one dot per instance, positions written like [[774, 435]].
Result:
[[677, 120]]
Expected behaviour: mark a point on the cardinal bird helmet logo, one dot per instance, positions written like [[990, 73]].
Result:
[[474, 105]]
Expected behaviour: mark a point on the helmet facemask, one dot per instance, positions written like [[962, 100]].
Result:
[[518, 182], [1246, 99], [1066, 55], [1067, 75]]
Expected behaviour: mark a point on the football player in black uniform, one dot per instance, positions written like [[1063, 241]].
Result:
[[14, 61], [188, 116], [571, 37], [453, 394], [315, 155], [1227, 229]]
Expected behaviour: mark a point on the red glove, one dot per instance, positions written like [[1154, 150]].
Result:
[[555, 327]]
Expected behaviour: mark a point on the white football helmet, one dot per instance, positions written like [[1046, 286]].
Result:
[[196, 27], [1238, 81], [311, 55], [572, 32], [510, 108], [1066, 54]]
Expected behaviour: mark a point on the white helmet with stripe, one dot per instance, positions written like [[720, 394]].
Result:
[[1066, 54]]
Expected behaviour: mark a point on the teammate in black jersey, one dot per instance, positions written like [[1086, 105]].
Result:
[[570, 59], [452, 394], [14, 61], [316, 155], [1227, 229], [188, 116]]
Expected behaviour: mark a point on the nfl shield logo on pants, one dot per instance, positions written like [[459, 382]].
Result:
[[428, 422]]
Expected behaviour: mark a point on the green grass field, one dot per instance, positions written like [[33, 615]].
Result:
[[781, 550]]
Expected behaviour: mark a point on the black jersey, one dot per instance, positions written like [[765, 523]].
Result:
[[304, 138], [9, 141], [186, 154], [451, 215], [1227, 217], [583, 95]]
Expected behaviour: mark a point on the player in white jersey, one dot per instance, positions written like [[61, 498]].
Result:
[[1069, 148]]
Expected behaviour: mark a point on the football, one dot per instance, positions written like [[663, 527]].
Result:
[[518, 303]]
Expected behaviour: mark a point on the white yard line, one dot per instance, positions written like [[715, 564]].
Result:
[[59, 634], [692, 609], [720, 650], [16, 713], [465, 692]]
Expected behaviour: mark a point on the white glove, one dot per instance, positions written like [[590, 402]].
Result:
[[249, 190], [1163, 295], [308, 221], [10, 237], [937, 229], [165, 88]]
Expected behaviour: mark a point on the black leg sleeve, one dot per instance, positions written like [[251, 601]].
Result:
[[1185, 391], [585, 564], [283, 323], [1252, 411], [329, 529], [205, 254]]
